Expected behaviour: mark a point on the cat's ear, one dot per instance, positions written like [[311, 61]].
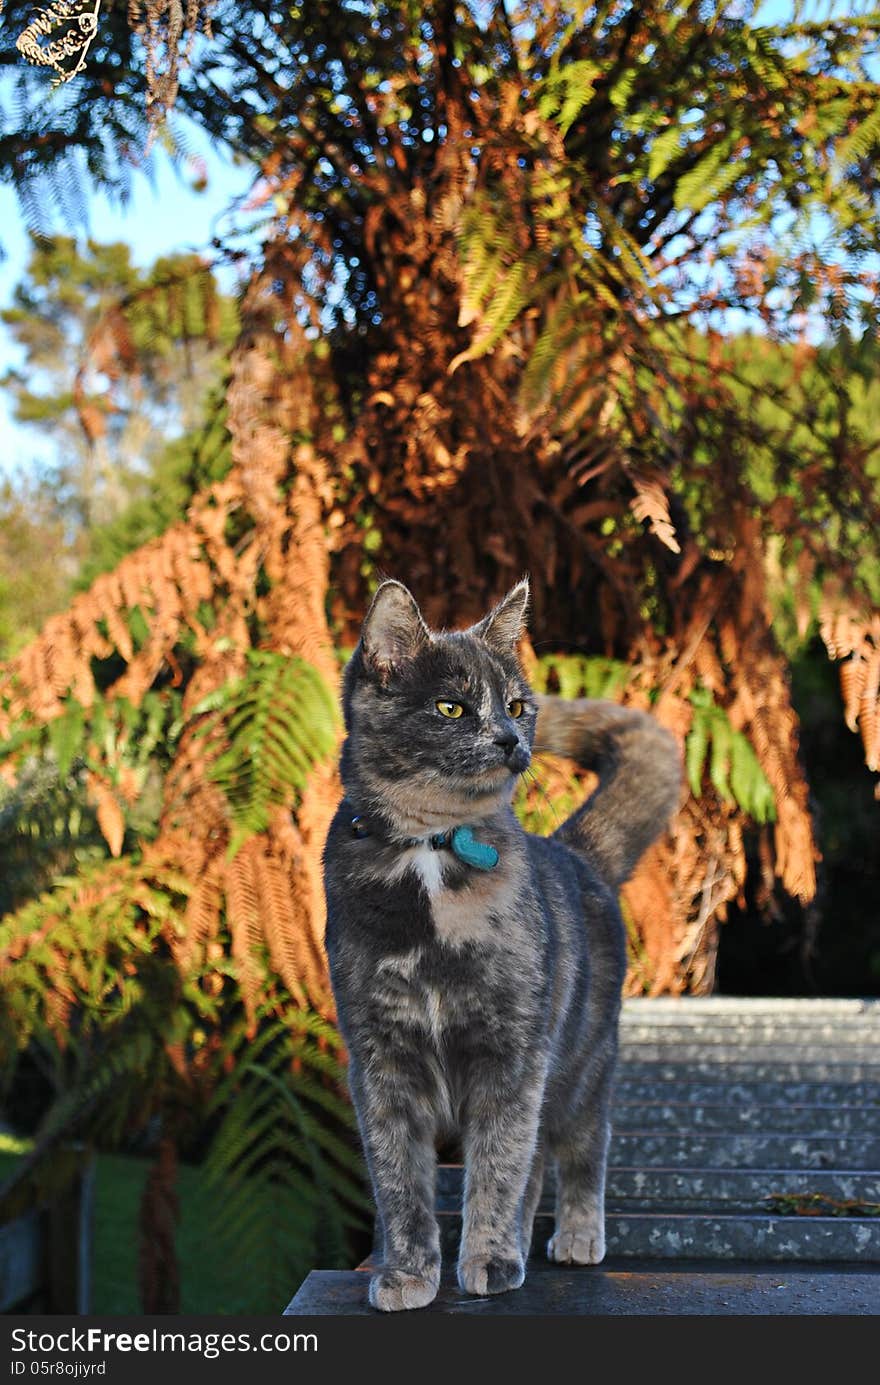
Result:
[[505, 625], [393, 630]]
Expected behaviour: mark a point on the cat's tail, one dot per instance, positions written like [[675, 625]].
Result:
[[639, 769]]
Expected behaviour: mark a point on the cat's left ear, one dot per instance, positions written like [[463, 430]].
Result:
[[505, 625]]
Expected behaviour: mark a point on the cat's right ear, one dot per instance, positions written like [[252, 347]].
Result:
[[393, 630]]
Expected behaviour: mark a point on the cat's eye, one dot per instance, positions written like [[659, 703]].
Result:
[[515, 708], [453, 710]]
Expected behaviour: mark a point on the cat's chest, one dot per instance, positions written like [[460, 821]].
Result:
[[472, 957], [432, 989], [465, 905], [408, 993]]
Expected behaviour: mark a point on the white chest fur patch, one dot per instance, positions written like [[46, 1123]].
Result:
[[427, 864], [429, 867]]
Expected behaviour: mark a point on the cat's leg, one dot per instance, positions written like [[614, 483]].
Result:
[[532, 1197], [579, 1237], [378, 1246], [397, 1131], [500, 1139], [580, 1147]]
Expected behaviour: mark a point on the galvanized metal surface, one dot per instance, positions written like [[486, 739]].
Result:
[[625, 1292]]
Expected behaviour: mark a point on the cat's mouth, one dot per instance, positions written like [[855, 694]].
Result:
[[514, 762], [494, 777], [518, 760]]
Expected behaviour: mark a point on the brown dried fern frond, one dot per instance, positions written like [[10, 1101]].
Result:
[[678, 897], [202, 585], [244, 924], [169, 29], [651, 503], [852, 635], [111, 818], [60, 36], [167, 580]]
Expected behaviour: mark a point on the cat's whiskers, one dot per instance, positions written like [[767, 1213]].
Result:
[[544, 794]]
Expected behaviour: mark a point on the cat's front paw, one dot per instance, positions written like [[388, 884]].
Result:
[[491, 1276], [393, 1290], [580, 1243]]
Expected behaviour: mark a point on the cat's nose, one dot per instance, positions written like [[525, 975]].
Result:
[[507, 740]]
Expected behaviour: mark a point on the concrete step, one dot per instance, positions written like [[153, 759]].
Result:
[[748, 1236], [756, 1151], [863, 1096], [730, 1023], [719, 1190], [744, 1050], [841, 1038], [628, 1289], [684, 1069], [680, 1008], [682, 1116], [737, 1235], [723, 1190]]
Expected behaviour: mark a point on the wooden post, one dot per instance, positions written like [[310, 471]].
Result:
[[46, 1236], [68, 1239]]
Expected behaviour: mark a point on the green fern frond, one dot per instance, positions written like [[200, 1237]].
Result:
[[579, 675], [767, 61], [507, 295], [67, 736], [286, 1185], [498, 277], [710, 176], [565, 91], [858, 145], [696, 749], [733, 767], [664, 149], [274, 723], [562, 340]]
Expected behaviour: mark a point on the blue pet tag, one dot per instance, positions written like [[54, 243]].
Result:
[[473, 853]]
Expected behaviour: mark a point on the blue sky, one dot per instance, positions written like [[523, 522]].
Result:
[[160, 217]]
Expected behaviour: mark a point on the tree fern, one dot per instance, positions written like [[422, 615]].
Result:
[[274, 724]]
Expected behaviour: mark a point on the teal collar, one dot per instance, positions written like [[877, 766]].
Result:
[[459, 840]]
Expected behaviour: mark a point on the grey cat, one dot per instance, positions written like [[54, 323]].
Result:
[[477, 969]]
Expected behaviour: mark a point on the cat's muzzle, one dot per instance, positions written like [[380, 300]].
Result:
[[518, 759]]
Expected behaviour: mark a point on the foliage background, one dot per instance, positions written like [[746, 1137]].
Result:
[[583, 290]]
